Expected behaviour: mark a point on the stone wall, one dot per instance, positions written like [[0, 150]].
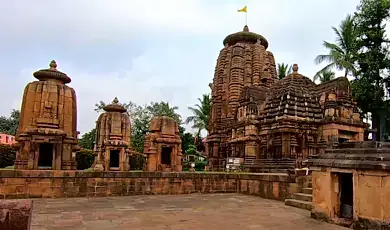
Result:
[[51, 184], [371, 197]]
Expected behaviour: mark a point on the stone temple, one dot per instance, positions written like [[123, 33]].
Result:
[[113, 138], [163, 146], [266, 122], [47, 133]]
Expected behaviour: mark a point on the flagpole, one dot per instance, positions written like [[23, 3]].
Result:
[[246, 18]]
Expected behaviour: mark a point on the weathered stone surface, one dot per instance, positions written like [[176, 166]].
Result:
[[194, 211], [30, 184], [47, 132], [163, 146], [15, 214], [113, 132]]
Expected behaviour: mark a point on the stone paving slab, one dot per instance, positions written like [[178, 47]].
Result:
[[196, 211]]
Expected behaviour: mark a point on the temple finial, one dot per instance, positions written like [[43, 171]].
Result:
[[115, 101], [53, 65], [295, 68]]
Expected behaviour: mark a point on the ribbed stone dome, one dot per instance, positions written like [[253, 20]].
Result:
[[293, 96]]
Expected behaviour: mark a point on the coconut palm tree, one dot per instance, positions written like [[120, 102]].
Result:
[[342, 53], [325, 76], [201, 112], [283, 70]]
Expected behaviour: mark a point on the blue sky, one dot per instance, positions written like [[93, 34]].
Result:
[[149, 50]]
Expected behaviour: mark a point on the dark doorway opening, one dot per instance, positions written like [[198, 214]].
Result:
[[166, 155], [45, 158], [346, 195], [114, 158], [342, 140]]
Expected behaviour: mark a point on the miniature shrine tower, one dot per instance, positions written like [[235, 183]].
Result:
[[163, 146], [112, 143], [47, 133]]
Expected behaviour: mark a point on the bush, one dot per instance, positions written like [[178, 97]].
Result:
[[137, 162], [191, 150], [84, 159], [7, 155], [200, 165]]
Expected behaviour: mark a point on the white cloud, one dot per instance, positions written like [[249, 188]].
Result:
[[150, 50]]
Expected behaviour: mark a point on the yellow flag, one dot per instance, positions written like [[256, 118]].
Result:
[[242, 10]]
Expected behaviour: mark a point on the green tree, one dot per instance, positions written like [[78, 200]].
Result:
[[372, 60], [283, 70], [187, 139], [9, 125], [341, 54], [84, 159], [191, 150], [325, 76], [201, 112], [163, 109], [87, 141]]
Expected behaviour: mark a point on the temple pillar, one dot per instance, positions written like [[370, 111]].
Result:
[[122, 159], [107, 158], [250, 150], [152, 161], [286, 147]]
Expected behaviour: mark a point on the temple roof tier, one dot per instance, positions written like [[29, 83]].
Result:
[[52, 74], [245, 36], [115, 107]]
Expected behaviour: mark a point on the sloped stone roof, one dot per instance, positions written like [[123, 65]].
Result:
[[293, 96]]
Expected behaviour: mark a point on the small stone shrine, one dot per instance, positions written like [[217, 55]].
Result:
[[351, 185], [113, 133], [47, 133], [265, 121], [163, 146]]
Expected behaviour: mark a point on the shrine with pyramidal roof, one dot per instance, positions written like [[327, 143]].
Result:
[[271, 124]]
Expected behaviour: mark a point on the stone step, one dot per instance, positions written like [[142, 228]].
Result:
[[302, 197], [299, 204], [307, 191]]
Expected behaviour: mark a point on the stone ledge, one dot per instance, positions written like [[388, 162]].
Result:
[[275, 177], [39, 183], [361, 223]]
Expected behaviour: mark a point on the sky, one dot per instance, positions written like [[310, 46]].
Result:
[[149, 50]]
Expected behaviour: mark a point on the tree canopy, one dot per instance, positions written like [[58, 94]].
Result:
[[283, 70], [372, 60], [341, 54], [9, 125], [201, 111]]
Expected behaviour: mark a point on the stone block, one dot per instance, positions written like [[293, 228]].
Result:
[[15, 214]]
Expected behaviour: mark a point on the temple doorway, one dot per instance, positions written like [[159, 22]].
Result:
[[342, 140], [114, 158], [45, 158], [346, 195], [166, 155]]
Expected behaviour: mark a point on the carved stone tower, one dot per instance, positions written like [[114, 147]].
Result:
[[243, 62], [163, 146], [47, 128], [112, 138]]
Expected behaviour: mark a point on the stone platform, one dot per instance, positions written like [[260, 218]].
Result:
[[195, 211]]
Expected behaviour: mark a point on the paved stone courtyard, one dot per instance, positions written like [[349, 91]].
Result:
[[197, 211]]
